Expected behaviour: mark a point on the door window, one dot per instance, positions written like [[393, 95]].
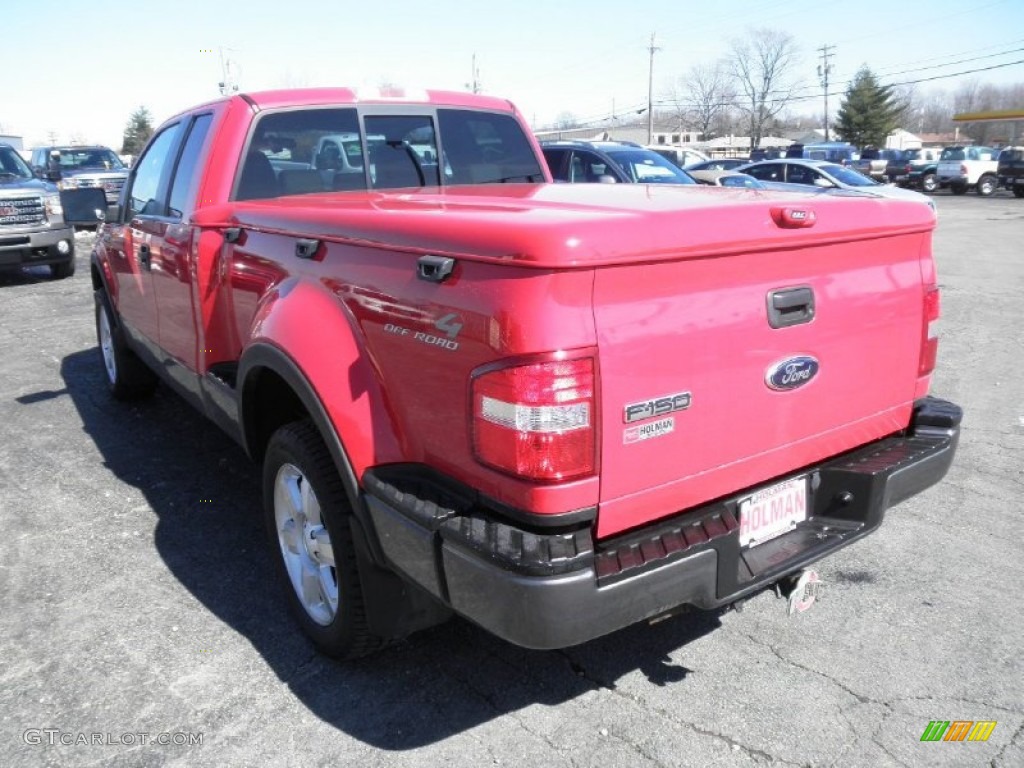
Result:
[[556, 162], [148, 196], [183, 188], [769, 172]]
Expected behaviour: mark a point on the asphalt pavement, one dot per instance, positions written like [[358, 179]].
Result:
[[141, 623]]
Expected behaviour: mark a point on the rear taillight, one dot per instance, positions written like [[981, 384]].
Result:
[[536, 421], [908, 169], [963, 170], [929, 342]]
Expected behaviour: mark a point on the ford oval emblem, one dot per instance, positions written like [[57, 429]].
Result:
[[791, 373]]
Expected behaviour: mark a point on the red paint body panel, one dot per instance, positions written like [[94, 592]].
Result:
[[700, 326], [666, 287]]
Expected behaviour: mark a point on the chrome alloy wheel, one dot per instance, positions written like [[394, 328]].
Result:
[[305, 544], [107, 346]]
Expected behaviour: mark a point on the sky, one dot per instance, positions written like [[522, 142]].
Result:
[[78, 68]]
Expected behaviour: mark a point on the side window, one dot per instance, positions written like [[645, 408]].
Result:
[[183, 188], [765, 172], [285, 154], [486, 148], [555, 159], [144, 198], [798, 174], [581, 162]]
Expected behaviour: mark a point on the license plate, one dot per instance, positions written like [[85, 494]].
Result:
[[901, 178], [773, 511]]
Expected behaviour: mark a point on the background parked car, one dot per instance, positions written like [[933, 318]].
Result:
[[718, 164], [874, 161], [824, 175], [840, 152], [681, 156], [725, 179], [78, 167], [32, 226], [609, 162], [915, 169], [1011, 170], [961, 168]]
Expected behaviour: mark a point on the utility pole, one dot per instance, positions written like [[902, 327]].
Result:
[[823, 72], [650, 94], [474, 85]]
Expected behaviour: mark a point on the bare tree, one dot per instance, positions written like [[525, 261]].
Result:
[[762, 67], [566, 121], [705, 93]]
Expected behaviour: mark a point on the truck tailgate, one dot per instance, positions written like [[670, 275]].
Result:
[[697, 331]]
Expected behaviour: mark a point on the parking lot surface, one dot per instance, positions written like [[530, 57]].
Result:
[[141, 623]]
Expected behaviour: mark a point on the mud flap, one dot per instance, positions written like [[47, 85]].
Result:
[[394, 607]]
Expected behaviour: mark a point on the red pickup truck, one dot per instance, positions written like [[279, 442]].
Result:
[[553, 409]]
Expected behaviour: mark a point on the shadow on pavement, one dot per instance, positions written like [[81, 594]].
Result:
[[205, 494]]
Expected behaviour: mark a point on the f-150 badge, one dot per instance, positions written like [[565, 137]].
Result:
[[656, 406]]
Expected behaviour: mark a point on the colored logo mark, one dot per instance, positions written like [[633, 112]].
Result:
[[958, 730]]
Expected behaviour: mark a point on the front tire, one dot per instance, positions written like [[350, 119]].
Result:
[[1018, 191], [986, 186], [127, 377], [307, 514], [63, 269]]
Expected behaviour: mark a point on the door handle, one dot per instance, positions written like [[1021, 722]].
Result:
[[145, 256], [790, 306]]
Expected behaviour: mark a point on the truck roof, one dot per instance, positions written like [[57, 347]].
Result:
[[306, 97]]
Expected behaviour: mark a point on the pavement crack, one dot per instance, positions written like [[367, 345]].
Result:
[[838, 683], [499, 710], [996, 761]]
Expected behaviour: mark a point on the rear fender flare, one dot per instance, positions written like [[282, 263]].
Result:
[[303, 333]]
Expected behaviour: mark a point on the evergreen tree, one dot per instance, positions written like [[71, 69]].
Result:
[[869, 112], [137, 132]]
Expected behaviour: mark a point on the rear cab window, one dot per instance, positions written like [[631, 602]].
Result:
[[302, 151]]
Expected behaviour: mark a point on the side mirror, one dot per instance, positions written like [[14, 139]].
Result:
[[606, 178], [823, 183], [53, 175], [84, 206]]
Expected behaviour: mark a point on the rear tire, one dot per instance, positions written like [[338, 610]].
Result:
[[307, 514], [928, 183], [986, 186], [127, 377], [1018, 191], [958, 189]]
